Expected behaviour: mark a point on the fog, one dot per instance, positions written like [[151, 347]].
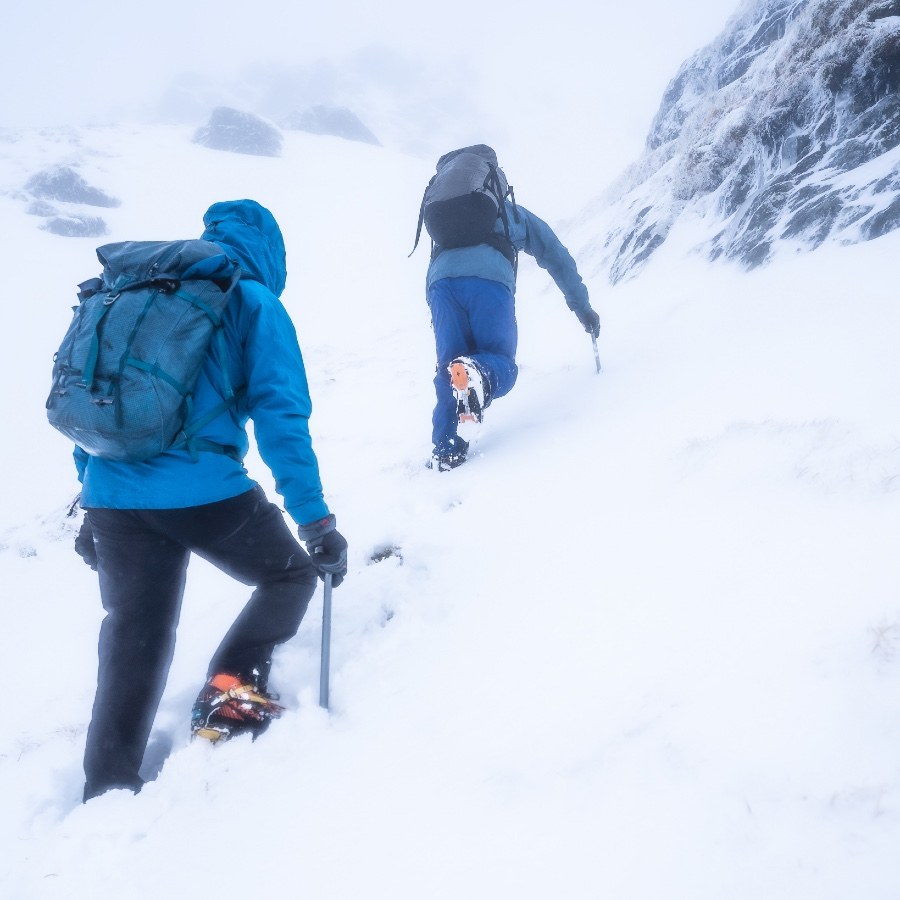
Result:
[[583, 79]]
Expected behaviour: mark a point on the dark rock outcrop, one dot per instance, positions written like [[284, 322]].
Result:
[[785, 129], [239, 132], [65, 185], [332, 120], [41, 208], [76, 226]]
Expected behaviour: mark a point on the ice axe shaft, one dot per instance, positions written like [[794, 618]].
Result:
[[326, 644], [596, 353]]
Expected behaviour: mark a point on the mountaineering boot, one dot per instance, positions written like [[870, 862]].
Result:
[[469, 388], [450, 456], [228, 706]]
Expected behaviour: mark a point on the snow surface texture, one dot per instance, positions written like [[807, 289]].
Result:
[[645, 644], [782, 133]]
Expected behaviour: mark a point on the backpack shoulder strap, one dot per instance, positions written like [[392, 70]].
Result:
[[421, 216]]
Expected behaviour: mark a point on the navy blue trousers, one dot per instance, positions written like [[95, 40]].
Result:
[[142, 560], [471, 317]]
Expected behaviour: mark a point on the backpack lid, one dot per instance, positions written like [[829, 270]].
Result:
[[131, 262], [482, 150]]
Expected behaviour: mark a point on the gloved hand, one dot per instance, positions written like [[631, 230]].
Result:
[[84, 544], [327, 548], [589, 320]]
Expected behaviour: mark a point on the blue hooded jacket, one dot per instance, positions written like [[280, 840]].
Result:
[[528, 233], [262, 357]]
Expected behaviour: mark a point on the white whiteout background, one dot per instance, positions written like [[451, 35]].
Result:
[[645, 644]]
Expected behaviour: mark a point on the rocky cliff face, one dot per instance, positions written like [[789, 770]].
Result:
[[784, 131]]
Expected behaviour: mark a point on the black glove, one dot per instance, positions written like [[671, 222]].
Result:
[[327, 548], [84, 544], [589, 320]]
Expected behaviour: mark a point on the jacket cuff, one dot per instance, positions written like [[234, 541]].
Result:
[[315, 530]]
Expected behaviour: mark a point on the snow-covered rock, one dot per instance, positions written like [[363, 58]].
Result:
[[334, 120], [785, 128], [239, 132], [64, 184], [77, 225]]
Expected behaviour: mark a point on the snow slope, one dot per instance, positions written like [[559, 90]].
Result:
[[646, 644]]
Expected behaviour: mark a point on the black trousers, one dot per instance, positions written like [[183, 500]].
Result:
[[142, 559]]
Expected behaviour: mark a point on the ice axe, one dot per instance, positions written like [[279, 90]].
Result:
[[326, 644], [596, 352]]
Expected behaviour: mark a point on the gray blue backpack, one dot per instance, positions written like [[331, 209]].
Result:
[[463, 201], [125, 371]]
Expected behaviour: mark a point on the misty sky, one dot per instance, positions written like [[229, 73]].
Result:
[[63, 59], [581, 78]]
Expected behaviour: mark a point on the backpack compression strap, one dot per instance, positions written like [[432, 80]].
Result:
[[189, 440]]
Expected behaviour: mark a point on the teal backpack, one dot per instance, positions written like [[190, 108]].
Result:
[[125, 371]]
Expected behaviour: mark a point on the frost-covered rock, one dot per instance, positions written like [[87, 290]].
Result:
[[784, 129], [40, 208], [64, 184], [239, 132], [76, 226], [333, 120]]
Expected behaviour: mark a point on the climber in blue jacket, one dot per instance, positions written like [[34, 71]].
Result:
[[471, 295], [144, 519]]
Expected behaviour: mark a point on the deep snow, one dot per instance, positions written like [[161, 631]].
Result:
[[646, 644]]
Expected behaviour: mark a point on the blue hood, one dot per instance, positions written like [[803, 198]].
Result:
[[249, 233]]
